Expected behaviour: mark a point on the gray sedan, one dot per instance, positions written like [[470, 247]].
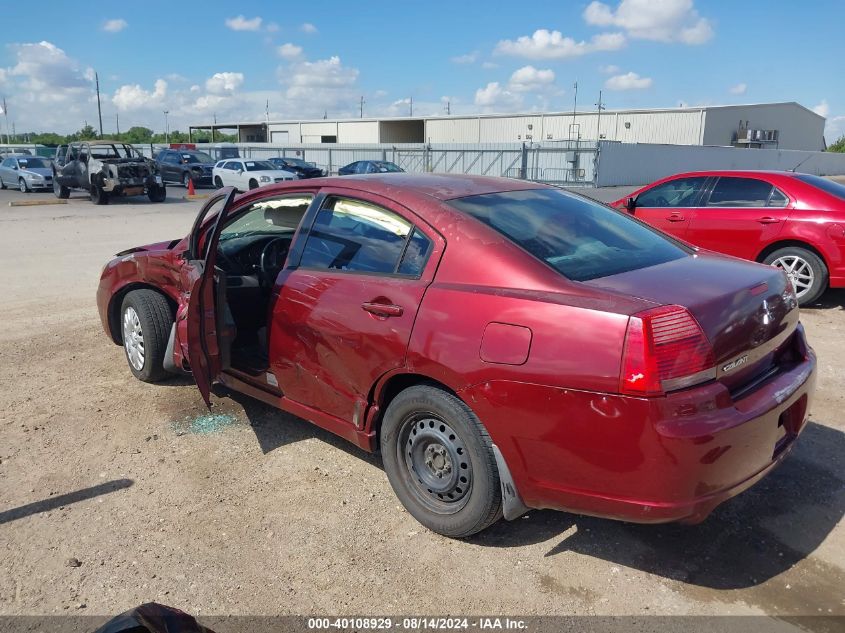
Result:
[[26, 173]]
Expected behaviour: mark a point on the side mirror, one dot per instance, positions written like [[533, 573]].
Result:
[[630, 204], [240, 172]]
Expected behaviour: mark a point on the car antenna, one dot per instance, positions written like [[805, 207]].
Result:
[[800, 163]]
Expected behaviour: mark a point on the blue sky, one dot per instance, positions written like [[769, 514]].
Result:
[[198, 60]]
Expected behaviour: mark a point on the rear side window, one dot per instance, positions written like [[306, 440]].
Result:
[[357, 236], [739, 192], [681, 192], [579, 238], [828, 186]]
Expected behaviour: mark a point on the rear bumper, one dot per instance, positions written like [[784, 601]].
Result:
[[644, 460]]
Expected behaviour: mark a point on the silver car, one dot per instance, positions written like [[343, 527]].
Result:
[[26, 173]]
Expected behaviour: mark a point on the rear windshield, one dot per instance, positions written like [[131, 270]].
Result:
[[198, 157], [829, 186], [579, 238]]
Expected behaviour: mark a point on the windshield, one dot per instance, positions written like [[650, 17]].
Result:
[[33, 163], [579, 238], [259, 165], [295, 162], [386, 167], [828, 186], [198, 157]]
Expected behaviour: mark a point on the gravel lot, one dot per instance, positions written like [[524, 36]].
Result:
[[271, 515]]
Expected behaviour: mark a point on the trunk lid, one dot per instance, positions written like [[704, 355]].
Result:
[[745, 309]]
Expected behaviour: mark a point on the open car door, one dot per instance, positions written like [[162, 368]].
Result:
[[196, 321]]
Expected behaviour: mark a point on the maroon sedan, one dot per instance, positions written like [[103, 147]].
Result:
[[506, 345], [793, 221]]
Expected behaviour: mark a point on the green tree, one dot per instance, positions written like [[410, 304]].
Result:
[[838, 145], [138, 134]]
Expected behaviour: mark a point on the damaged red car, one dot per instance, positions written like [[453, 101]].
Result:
[[505, 345]]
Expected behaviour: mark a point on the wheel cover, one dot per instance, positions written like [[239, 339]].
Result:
[[133, 338], [437, 466], [799, 271]]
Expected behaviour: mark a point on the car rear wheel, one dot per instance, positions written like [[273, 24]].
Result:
[[805, 269], [22, 186], [98, 196], [2, 184], [145, 322], [60, 190], [440, 462]]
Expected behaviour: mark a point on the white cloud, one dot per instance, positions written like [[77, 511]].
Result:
[[658, 20], [115, 26], [834, 128], [308, 28], [545, 44], [738, 89], [325, 84], [289, 51], [822, 108], [46, 67], [628, 81], [530, 79], [493, 97], [133, 97], [610, 69], [467, 58], [489, 65], [272, 27], [222, 83], [240, 23]]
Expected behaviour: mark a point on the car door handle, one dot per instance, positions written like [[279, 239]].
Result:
[[768, 220], [675, 217], [382, 309]]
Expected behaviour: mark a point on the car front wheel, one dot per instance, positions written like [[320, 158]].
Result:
[[60, 190], [218, 182], [98, 196], [22, 186], [805, 269], [145, 322], [439, 459]]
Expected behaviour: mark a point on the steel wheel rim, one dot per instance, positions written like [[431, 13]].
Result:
[[22, 185], [133, 338], [436, 463], [799, 271]]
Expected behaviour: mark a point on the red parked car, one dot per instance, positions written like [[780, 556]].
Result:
[[505, 344], [793, 221]]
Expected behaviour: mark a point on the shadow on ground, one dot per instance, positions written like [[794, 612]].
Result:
[[746, 541], [51, 503]]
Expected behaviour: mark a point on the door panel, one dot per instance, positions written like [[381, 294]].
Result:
[[196, 326], [335, 332], [669, 206], [741, 231]]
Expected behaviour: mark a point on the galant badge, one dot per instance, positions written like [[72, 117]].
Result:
[[739, 362]]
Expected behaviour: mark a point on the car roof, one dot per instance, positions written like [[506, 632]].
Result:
[[20, 156], [439, 186], [749, 173]]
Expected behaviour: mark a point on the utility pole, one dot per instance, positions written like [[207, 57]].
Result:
[[411, 106], [448, 108], [361, 106], [212, 127], [166, 128], [6, 115], [117, 123], [99, 109], [600, 107], [574, 108]]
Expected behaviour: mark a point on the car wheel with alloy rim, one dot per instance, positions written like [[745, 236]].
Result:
[[145, 322], [806, 271]]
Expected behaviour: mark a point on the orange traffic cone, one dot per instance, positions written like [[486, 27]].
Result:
[[191, 191]]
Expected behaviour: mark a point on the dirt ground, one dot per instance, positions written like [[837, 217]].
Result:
[[271, 515]]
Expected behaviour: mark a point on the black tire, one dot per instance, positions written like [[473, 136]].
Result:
[[217, 182], [22, 186], [253, 183], [2, 184], [98, 196], [421, 421], [156, 320], [186, 179], [60, 190], [157, 193], [802, 260]]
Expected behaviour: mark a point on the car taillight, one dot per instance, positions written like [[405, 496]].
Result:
[[665, 349]]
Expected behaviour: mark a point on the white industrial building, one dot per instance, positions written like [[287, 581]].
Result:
[[787, 125]]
